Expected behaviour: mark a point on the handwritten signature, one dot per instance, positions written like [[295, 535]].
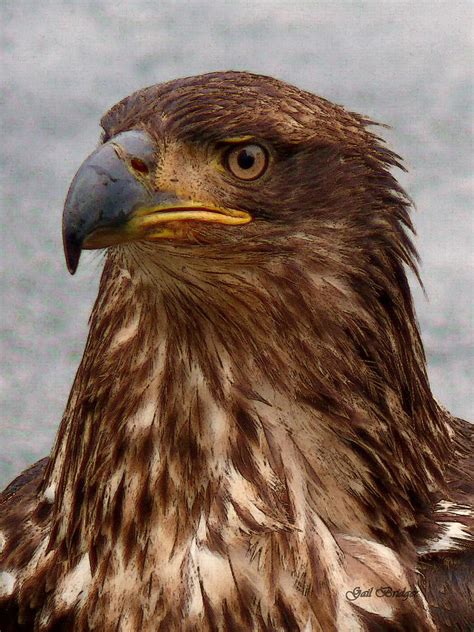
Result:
[[382, 591]]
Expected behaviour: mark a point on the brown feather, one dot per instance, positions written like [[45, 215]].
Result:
[[251, 432]]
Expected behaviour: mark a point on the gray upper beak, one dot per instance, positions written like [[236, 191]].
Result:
[[104, 191]]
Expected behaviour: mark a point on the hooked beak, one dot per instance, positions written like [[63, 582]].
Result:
[[111, 200]]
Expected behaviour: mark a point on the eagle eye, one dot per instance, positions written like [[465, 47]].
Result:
[[247, 162]]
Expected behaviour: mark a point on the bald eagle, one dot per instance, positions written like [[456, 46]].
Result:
[[250, 442]]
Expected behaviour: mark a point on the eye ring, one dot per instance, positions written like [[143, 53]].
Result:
[[247, 162]]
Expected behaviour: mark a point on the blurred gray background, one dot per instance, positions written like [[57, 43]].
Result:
[[407, 64]]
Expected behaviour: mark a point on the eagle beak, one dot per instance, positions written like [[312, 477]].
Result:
[[111, 200]]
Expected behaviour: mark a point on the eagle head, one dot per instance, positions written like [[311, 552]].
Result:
[[230, 167]]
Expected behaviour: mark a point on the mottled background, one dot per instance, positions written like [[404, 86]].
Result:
[[407, 64]]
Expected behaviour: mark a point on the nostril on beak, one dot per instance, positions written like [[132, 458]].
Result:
[[139, 165]]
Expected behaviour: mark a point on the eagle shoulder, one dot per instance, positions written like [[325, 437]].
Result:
[[446, 562], [21, 515]]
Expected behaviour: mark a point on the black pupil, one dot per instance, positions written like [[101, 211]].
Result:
[[245, 159]]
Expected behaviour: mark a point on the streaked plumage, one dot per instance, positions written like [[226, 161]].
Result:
[[251, 434]]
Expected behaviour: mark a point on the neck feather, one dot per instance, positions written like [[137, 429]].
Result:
[[203, 382], [231, 428]]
